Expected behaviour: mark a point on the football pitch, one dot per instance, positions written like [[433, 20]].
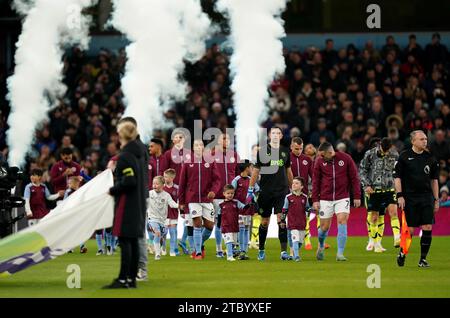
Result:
[[212, 277]]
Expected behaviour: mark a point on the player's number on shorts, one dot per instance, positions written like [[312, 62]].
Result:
[[347, 203]]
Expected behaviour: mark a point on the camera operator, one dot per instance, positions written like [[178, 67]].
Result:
[[8, 180]]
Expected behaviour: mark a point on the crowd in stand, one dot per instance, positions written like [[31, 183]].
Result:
[[345, 96]]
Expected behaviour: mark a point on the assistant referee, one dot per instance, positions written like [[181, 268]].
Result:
[[416, 182]]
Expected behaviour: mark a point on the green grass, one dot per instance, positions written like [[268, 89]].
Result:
[[212, 277]]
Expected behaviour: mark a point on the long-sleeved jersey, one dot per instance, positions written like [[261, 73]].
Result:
[[158, 206], [376, 170]]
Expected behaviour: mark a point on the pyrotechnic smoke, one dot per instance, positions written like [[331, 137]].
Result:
[[162, 34], [256, 30], [47, 27]]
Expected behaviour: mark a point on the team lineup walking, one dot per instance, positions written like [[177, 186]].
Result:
[[212, 189], [218, 190]]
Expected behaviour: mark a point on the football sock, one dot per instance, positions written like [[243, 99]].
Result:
[[283, 237], [289, 238], [242, 240], [246, 237], [425, 243], [218, 237], [395, 225], [230, 249], [322, 235], [108, 239], [380, 225], [151, 237], [206, 234], [173, 238], [307, 232], [256, 221], [98, 239], [342, 238], [296, 246], [184, 236], [157, 244], [190, 238], [262, 236], [198, 240], [373, 228]]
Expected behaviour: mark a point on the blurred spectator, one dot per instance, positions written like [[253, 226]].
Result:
[[440, 147], [66, 142], [44, 138], [347, 96], [394, 136], [322, 133], [444, 200], [443, 178], [435, 52], [45, 159], [389, 47], [413, 48]]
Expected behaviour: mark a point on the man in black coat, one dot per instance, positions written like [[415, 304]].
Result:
[[130, 204]]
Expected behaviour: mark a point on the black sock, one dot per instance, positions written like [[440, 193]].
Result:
[[425, 243], [282, 236], [262, 236]]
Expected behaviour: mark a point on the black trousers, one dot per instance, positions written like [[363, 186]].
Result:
[[129, 249]]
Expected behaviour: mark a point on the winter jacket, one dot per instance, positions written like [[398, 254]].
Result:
[[129, 191]]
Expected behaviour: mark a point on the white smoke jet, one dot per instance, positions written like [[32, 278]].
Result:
[[256, 30], [47, 27], [196, 27], [162, 34]]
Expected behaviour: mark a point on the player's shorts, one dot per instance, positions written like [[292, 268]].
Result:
[[419, 210], [156, 227], [216, 203], [205, 210], [171, 222], [230, 237], [269, 201], [188, 220], [379, 201], [329, 208], [297, 236], [245, 220]]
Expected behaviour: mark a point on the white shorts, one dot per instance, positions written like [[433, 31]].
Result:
[[245, 220], [297, 236], [230, 237], [329, 208], [205, 210], [171, 222], [216, 203], [188, 220]]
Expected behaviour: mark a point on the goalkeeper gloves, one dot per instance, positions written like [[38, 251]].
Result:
[[250, 196]]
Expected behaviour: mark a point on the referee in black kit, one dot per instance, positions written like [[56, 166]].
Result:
[[416, 182]]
